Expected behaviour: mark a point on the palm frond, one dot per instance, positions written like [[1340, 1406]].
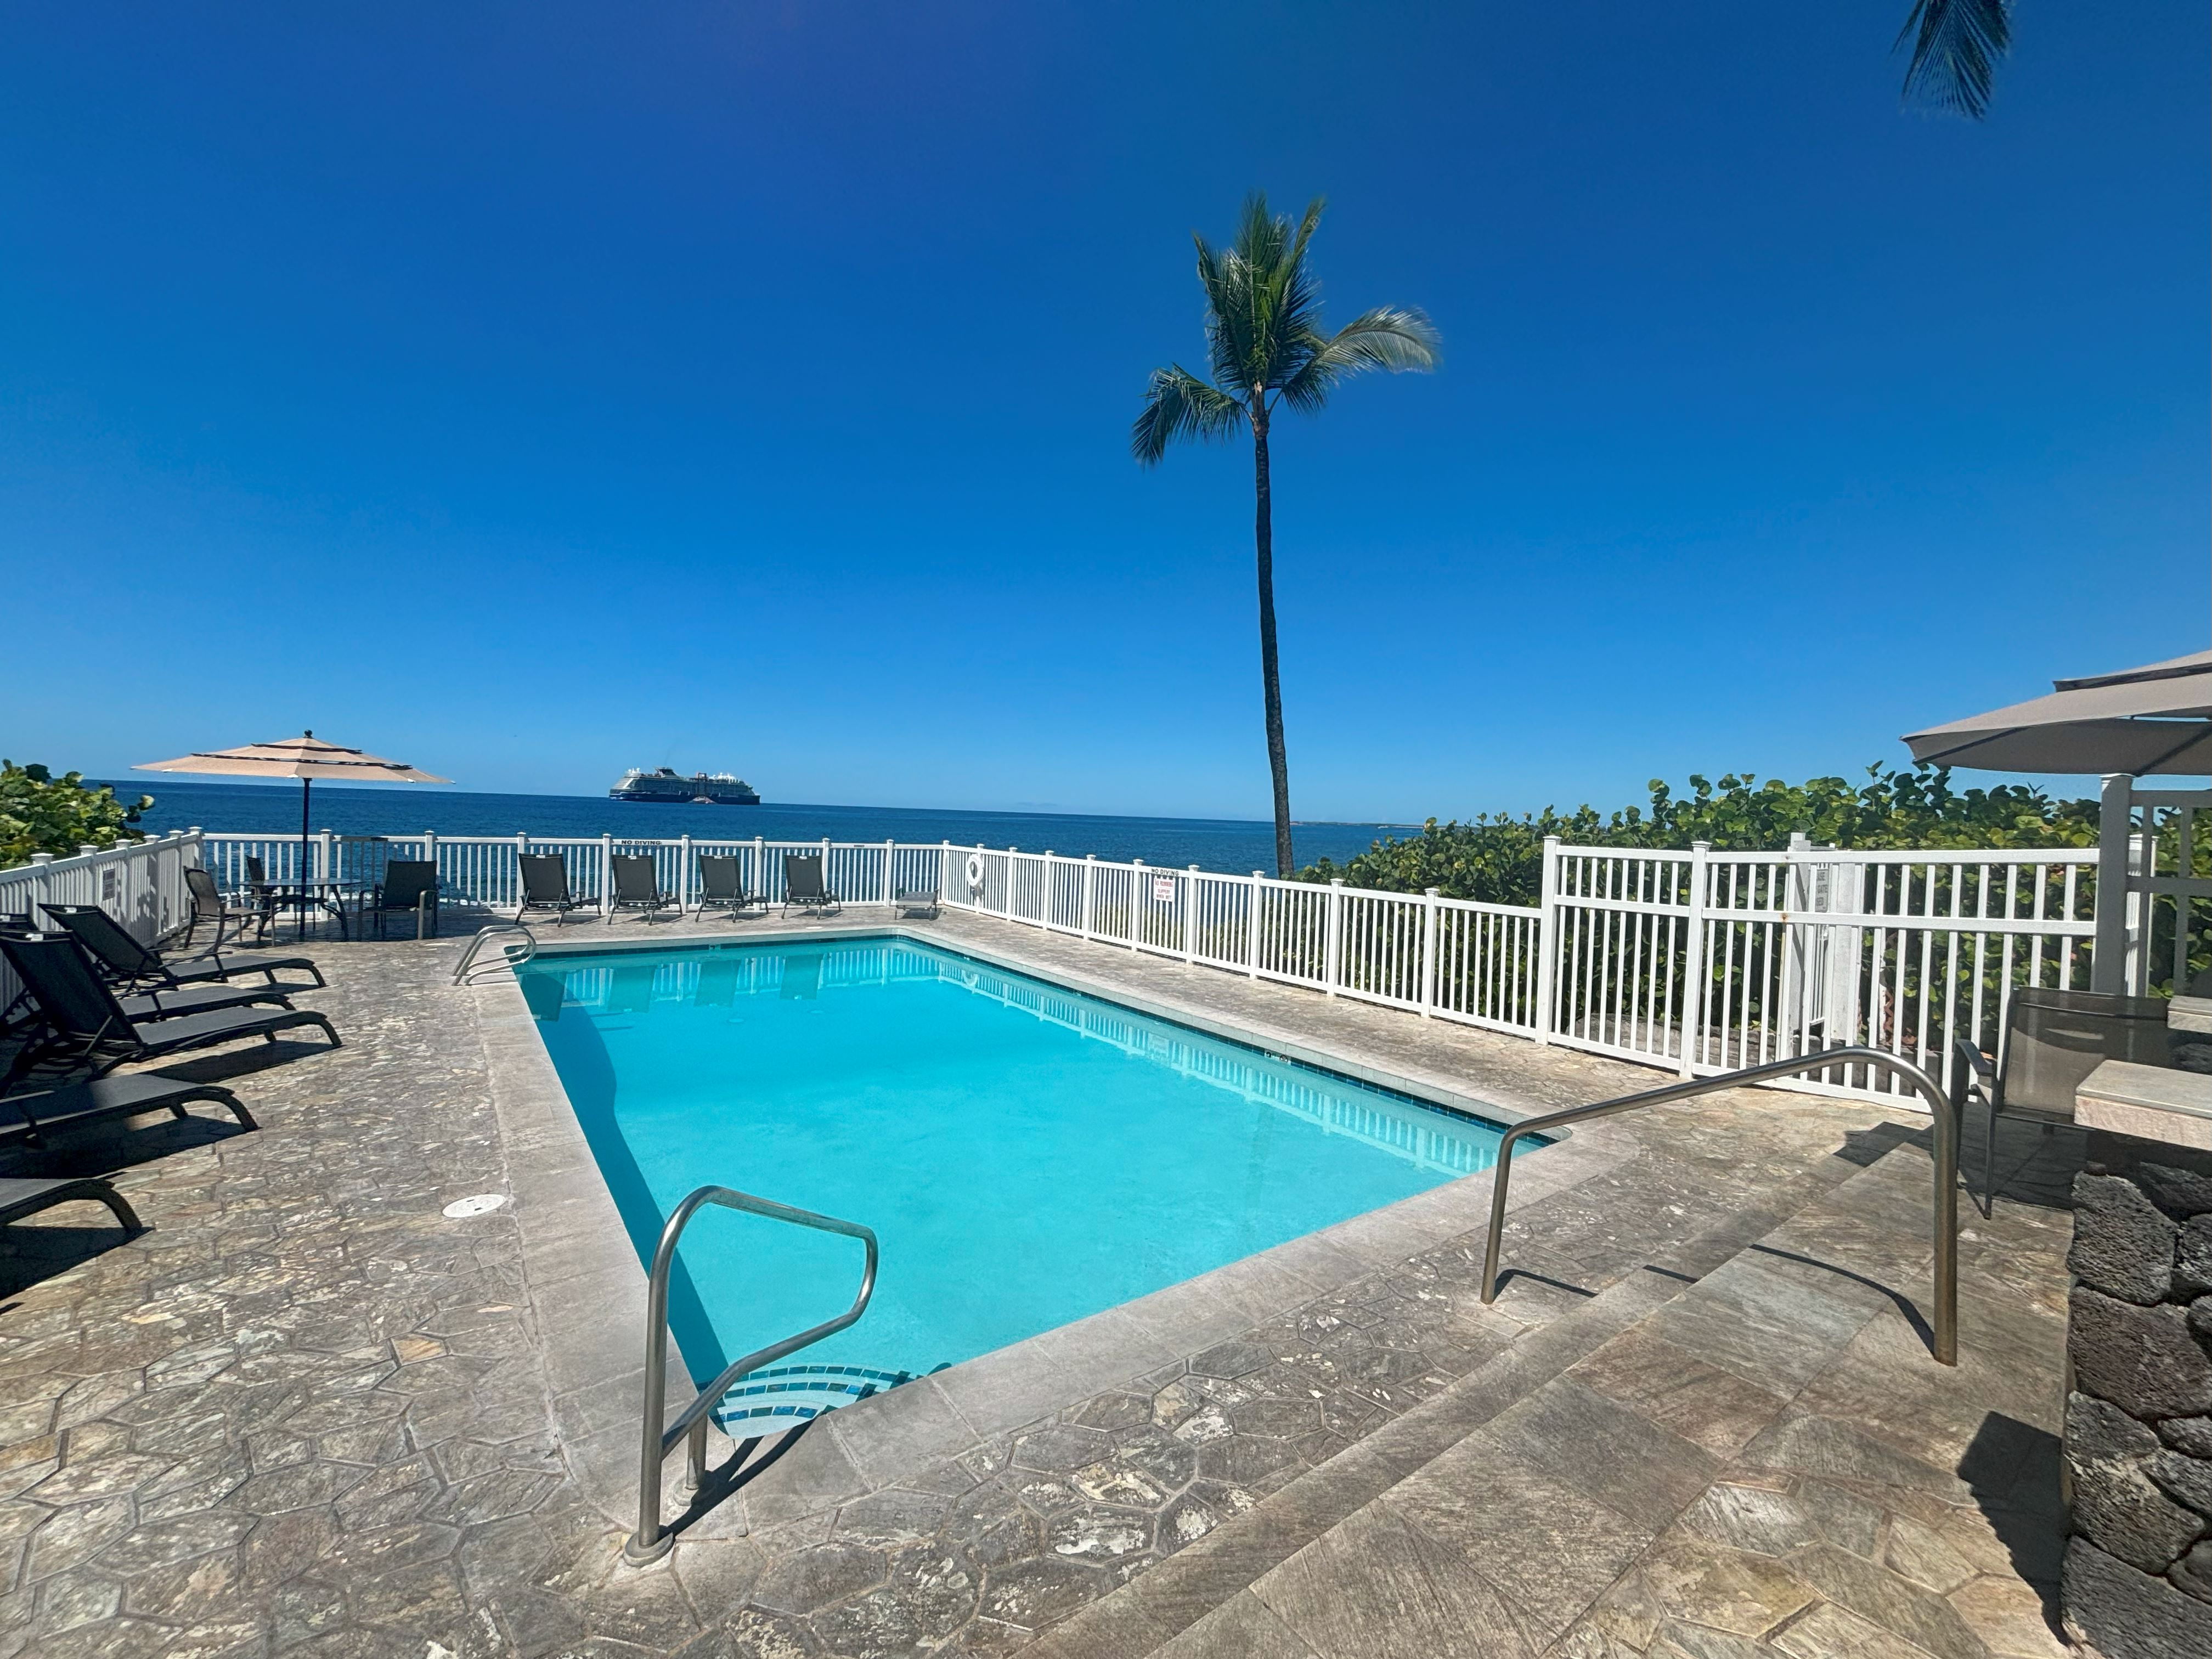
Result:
[[1396, 340], [1178, 404], [1955, 47]]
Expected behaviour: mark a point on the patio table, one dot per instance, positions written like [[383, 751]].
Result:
[[326, 894]]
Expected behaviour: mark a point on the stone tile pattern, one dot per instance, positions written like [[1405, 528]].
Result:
[[307, 1413], [1765, 1463], [2139, 1423]]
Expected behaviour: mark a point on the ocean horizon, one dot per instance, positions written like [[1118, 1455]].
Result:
[[1233, 845]]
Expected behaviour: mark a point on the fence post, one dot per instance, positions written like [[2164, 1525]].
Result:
[[1044, 900], [944, 868], [1252, 926], [1090, 890], [1544, 1014], [1189, 916], [322, 850], [1333, 949], [760, 866], [2108, 961], [890, 858], [683, 874], [1429, 949], [1138, 898], [606, 875], [1693, 969]]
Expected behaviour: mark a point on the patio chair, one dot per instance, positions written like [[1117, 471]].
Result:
[[2052, 1040], [915, 901], [637, 887], [22, 1196], [411, 885], [88, 1029], [802, 886], [722, 886], [208, 905], [169, 1002], [29, 1119], [132, 965], [545, 885]]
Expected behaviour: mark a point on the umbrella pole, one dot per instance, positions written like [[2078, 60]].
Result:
[[307, 787]]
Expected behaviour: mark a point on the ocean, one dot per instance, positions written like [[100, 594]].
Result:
[[1236, 846]]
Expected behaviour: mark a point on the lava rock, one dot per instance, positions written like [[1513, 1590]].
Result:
[[2117, 1507], [2192, 1435], [2192, 1265], [2121, 1611], [2098, 1432], [2145, 1360], [2180, 1193], [2192, 1574], [2123, 1245], [2187, 1480]]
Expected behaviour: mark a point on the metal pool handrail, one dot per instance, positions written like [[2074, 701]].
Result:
[[508, 958], [1940, 1111], [650, 1542]]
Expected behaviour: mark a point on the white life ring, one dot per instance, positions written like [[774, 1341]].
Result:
[[974, 870]]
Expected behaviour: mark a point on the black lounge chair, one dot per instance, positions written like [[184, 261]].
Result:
[[28, 1119], [411, 885], [208, 905], [722, 886], [131, 964], [22, 1196], [545, 885], [914, 902], [802, 886], [637, 887], [87, 1028]]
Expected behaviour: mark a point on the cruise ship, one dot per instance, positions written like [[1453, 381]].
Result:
[[665, 783]]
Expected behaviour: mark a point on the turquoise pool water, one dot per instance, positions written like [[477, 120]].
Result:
[[1026, 1155]]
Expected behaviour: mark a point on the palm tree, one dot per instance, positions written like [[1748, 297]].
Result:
[[1265, 348], [1955, 47]]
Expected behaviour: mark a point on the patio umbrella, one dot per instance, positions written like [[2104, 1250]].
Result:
[[306, 757], [2143, 721]]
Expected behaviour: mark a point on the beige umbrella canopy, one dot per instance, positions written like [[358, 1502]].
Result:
[[306, 757], [2143, 721]]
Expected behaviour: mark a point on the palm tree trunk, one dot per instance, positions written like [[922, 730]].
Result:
[[1263, 538]]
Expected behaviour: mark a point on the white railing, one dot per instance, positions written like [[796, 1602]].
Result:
[[140, 884], [1708, 961], [1698, 961]]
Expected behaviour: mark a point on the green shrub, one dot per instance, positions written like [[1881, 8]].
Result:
[[42, 813], [1499, 858]]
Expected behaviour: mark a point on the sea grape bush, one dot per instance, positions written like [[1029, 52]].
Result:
[[42, 813], [1499, 858]]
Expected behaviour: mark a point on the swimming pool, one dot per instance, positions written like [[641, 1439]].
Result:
[[1027, 1154]]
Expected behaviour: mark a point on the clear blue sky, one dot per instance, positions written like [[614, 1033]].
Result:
[[532, 390]]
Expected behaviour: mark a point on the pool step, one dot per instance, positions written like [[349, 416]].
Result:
[[755, 1404], [1153, 1609], [1358, 1561]]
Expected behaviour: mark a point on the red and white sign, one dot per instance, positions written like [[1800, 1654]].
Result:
[[1163, 890]]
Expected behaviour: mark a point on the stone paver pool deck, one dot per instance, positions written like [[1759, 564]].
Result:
[[308, 1414]]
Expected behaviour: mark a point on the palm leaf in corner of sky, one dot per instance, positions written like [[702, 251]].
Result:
[[1955, 47]]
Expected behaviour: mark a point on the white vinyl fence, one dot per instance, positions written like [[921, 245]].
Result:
[[140, 884], [1698, 961]]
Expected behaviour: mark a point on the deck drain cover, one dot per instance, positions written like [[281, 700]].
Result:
[[482, 1204]]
